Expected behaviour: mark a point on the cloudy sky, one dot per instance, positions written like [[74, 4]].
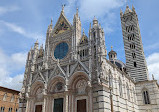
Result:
[[23, 22]]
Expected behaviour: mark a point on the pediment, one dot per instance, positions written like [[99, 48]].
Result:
[[84, 39], [62, 25], [38, 76], [79, 66], [58, 70]]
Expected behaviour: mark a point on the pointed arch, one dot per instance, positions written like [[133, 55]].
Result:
[[76, 77], [35, 86], [54, 81]]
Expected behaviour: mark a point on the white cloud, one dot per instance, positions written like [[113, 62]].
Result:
[[90, 8], [7, 9], [15, 28], [20, 30], [18, 59], [12, 82], [102, 9], [8, 66], [153, 65]]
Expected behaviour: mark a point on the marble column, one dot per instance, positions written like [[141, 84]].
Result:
[[44, 105], [67, 102]]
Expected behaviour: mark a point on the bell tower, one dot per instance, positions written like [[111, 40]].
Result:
[[135, 59]]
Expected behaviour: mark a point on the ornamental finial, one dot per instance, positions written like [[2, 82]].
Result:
[[111, 47], [63, 7]]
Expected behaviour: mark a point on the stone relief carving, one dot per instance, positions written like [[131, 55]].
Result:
[[81, 86], [39, 94]]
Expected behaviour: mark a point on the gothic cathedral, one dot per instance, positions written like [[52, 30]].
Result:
[[72, 73]]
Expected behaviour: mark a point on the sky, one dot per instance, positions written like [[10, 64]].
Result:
[[22, 22]]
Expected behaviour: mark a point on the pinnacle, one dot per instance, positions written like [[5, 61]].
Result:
[[90, 26], [121, 11], [128, 10], [51, 21], [37, 42], [77, 12], [95, 18], [41, 47], [83, 32]]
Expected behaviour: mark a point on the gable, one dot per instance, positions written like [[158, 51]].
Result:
[[84, 40], [62, 25]]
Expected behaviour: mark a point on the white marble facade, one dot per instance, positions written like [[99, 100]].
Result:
[[82, 74]]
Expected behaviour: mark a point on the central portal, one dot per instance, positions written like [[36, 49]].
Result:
[[38, 108], [81, 105], [58, 105]]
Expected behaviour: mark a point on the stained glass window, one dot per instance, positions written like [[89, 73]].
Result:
[[61, 50]]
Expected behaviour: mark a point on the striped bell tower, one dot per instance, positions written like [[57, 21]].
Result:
[[135, 59]]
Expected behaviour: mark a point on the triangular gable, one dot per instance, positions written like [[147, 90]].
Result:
[[79, 66], [84, 39], [62, 25], [38, 76], [57, 70]]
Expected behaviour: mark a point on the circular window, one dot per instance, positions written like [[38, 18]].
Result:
[[59, 86], [61, 50]]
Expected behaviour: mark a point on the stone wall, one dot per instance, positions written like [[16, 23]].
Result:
[[9, 99]]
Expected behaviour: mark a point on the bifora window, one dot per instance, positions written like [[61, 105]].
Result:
[[61, 50]]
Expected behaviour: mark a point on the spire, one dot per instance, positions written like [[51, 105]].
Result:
[[31, 48], [41, 47], [50, 27], [51, 22], [36, 44], [83, 32], [95, 21], [90, 26], [41, 53], [121, 12], [128, 10], [76, 16], [77, 12], [133, 9]]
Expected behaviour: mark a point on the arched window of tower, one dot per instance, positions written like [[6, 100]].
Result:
[[135, 65], [146, 97]]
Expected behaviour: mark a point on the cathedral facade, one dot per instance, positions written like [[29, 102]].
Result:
[[72, 73]]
